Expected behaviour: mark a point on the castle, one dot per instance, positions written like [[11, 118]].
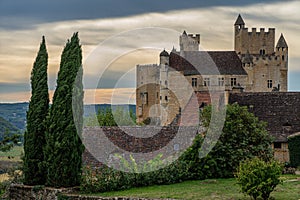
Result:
[[254, 74], [255, 65]]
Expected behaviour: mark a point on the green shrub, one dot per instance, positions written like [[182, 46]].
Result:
[[108, 179], [243, 136], [258, 178], [294, 150]]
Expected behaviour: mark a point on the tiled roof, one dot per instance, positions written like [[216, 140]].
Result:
[[207, 63], [281, 110]]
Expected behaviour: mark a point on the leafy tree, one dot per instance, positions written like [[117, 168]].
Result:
[[64, 147], [258, 178], [118, 116], [294, 149], [243, 136], [34, 138], [7, 140]]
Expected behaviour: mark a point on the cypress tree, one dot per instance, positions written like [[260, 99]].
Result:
[[34, 138], [64, 147]]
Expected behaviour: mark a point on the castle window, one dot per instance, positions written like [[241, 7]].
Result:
[[221, 81], [144, 97], [262, 52], [206, 82], [166, 98], [233, 81], [282, 57], [166, 83], [140, 110], [160, 97], [194, 82], [277, 145], [179, 111], [270, 85]]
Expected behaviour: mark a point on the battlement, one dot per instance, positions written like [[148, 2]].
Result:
[[196, 37], [261, 31], [146, 65]]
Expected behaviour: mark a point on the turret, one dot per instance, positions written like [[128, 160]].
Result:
[[189, 42], [163, 77], [239, 24], [282, 51], [164, 57]]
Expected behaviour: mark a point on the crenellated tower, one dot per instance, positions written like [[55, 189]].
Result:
[[266, 65], [189, 42]]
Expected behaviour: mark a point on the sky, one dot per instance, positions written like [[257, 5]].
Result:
[[116, 35]]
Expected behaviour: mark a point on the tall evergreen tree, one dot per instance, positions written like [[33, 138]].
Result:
[[34, 138], [64, 147]]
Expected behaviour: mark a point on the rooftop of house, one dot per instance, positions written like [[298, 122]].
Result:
[[281, 110], [207, 63]]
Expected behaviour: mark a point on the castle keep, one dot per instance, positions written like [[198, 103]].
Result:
[[255, 65]]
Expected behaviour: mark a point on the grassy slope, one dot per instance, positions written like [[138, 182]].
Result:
[[208, 190]]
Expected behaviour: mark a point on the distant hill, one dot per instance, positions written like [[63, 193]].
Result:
[[5, 125], [15, 113]]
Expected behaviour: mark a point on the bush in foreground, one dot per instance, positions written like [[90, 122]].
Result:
[[258, 178]]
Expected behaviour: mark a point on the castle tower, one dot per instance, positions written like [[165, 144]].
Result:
[[163, 81], [282, 52], [189, 42], [164, 64], [255, 42]]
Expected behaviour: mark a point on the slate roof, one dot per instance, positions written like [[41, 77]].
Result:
[[164, 53], [281, 42], [207, 63], [281, 110], [239, 21]]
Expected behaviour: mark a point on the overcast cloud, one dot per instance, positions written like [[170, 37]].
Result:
[[22, 24]]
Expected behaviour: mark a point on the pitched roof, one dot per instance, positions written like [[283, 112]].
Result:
[[281, 110], [247, 58], [281, 42], [207, 63], [239, 21]]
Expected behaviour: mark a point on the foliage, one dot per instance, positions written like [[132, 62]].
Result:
[[5, 125], [108, 179], [112, 116], [64, 148], [258, 178], [294, 150], [243, 136], [34, 138], [210, 189], [7, 140]]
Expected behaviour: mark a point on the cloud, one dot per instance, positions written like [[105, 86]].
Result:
[[29, 12], [215, 24]]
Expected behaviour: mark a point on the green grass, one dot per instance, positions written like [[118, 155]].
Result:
[[14, 154], [208, 190]]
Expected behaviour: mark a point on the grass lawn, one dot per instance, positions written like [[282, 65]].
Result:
[[209, 190], [14, 154]]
